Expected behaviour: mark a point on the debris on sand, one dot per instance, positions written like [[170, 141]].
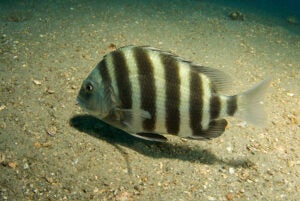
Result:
[[17, 16], [236, 15], [37, 82], [12, 164], [292, 20], [2, 107], [51, 131], [112, 47]]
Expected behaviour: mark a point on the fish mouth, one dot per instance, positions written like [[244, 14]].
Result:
[[80, 102], [82, 105]]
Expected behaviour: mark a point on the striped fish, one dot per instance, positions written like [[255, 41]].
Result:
[[148, 93]]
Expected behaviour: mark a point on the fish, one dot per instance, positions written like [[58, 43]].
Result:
[[150, 93]]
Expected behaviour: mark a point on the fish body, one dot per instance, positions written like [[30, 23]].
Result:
[[148, 93]]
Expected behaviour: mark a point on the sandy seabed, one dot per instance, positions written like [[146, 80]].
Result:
[[51, 150]]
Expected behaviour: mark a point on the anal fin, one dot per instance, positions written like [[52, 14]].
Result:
[[150, 136], [215, 129]]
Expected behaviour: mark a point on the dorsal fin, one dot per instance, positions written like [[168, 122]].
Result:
[[220, 80]]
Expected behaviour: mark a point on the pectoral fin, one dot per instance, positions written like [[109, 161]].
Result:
[[128, 113], [215, 129]]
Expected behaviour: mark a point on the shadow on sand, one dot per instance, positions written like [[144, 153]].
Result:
[[114, 136]]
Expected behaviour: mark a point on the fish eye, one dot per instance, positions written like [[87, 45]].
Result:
[[89, 88]]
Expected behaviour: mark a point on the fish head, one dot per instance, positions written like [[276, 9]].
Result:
[[94, 96]]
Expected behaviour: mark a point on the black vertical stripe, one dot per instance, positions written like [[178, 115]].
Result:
[[102, 67], [122, 78], [172, 102], [231, 105], [195, 103], [214, 107], [147, 85]]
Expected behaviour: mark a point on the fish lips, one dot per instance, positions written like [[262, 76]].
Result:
[[81, 103]]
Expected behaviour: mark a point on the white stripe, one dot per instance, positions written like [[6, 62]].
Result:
[[160, 85], [206, 95], [223, 106], [111, 72], [136, 124], [184, 77]]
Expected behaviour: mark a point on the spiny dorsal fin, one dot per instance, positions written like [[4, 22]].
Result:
[[220, 80]]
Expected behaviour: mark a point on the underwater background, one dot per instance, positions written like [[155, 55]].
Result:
[[52, 150]]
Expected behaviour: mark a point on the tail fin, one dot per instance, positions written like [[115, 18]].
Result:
[[250, 106]]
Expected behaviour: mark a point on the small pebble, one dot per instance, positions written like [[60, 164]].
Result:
[[12, 165], [52, 131], [37, 82], [242, 124], [47, 144], [211, 198], [229, 196], [75, 161], [49, 91], [37, 144], [95, 190], [112, 47], [49, 180], [231, 170], [229, 149], [2, 107], [137, 187], [25, 166]]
